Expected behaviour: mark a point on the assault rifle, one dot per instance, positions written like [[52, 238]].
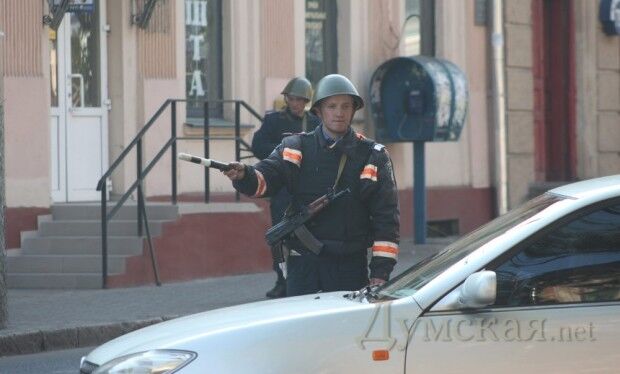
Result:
[[295, 223]]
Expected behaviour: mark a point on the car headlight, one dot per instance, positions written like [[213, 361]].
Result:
[[150, 362]]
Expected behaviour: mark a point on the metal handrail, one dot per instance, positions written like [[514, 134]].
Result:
[[141, 174]]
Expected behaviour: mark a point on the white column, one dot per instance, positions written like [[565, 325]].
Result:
[[299, 17], [242, 54], [354, 46]]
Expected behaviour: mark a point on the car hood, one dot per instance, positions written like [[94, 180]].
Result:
[[185, 331]]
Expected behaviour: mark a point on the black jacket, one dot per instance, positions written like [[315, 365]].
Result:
[[367, 217], [267, 138]]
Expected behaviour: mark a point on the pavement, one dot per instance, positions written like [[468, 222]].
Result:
[[44, 320]]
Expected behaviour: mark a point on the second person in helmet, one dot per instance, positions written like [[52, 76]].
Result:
[[335, 157], [291, 120]]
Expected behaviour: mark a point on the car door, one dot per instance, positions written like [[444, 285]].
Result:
[[557, 307]]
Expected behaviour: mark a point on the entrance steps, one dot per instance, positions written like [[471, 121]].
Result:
[[191, 241], [65, 251]]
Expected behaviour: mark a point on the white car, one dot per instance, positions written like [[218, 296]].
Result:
[[535, 290]]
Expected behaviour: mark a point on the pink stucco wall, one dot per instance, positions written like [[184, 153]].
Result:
[[27, 141]]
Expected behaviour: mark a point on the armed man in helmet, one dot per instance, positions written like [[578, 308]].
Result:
[[292, 119], [308, 165]]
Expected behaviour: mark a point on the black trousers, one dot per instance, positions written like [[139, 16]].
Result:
[[309, 273]]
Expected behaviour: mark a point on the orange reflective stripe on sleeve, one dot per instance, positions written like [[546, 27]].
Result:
[[262, 185], [385, 249], [369, 172], [292, 155]]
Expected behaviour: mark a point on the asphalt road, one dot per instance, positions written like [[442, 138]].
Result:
[[55, 362]]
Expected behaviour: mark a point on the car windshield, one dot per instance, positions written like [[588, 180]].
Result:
[[410, 281]]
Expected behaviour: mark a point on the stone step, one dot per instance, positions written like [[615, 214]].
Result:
[[129, 211], [93, 228], [63, 264], [65, 252], [54, 280], [81, 245]]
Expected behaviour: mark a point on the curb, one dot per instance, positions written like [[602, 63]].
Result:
[[69, 338]]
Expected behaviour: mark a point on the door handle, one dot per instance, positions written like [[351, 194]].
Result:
[[81, 79]]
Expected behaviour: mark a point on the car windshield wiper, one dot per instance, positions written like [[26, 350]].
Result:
[[368, 293], [372, 293]]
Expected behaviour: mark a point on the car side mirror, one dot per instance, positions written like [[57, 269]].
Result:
[[478, 291]]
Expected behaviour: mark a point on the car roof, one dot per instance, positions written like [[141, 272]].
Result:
[[588, 187]]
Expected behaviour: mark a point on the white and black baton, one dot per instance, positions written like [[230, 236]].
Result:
[[207, 162]]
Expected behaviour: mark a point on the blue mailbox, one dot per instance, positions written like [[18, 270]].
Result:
[[418, 99]]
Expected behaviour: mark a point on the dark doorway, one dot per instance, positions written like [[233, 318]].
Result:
[[554, 90]]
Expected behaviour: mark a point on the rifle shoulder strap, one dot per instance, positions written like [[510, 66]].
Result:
[[304, 122], [343, 161]]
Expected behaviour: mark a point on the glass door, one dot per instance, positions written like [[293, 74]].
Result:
[[79, 114]]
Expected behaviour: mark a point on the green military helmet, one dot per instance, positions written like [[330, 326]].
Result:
[[300, 87], [336, 84]]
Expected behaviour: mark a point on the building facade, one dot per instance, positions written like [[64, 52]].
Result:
[[76, 96], [563, 94]]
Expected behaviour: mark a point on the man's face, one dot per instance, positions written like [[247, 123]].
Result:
[[296, 104], [336, 112]]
